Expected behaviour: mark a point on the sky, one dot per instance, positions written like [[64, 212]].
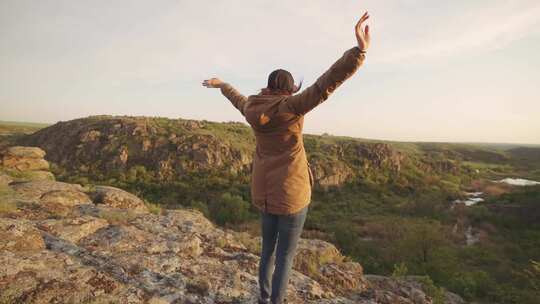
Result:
[[459, 71]]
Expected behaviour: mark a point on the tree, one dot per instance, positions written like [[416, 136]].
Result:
[[420, 240]]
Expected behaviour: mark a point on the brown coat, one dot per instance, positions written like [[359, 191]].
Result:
[[281, 178]]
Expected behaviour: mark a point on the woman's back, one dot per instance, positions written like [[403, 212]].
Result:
[[281, 178]]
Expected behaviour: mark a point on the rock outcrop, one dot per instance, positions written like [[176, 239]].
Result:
[[24, 159], [407, 289], [117, 198], [330, 173], [29, 160], [63, 243], [37, 189], [167, 147]]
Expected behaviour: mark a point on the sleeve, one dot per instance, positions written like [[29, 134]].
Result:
[[238, 100], [327, 83]]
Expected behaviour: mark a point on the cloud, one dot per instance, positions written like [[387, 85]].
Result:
[[193, 39], [482, 29]]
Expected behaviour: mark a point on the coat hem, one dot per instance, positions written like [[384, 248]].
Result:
[[268, 209]]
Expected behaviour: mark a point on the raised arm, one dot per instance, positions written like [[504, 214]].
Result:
[[238, 100], [329, 81]]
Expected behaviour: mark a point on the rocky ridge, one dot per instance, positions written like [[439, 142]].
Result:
[[64, 243], [172, 148]]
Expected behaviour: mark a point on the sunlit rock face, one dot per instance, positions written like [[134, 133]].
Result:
[[167, 148], [64, 243], [26, 161]]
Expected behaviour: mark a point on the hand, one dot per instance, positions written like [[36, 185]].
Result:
[[212, 83], [362, 35]]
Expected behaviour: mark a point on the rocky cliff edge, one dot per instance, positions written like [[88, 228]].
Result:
[[64, 243]]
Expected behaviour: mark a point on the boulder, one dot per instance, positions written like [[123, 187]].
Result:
[[320, 251], [25, 164], [65, 198], [62, 202], [323, 262], [343, 278], [397, 291], [191, 221], [117, 198], [24, 159], [19, 235], [35, 189], [312, 254], [25, 152]]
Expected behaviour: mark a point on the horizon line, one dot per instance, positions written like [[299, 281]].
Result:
[[315, 134]]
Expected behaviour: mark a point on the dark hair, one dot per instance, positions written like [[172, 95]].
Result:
[[281, 82]]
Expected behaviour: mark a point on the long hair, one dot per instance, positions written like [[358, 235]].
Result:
[[281, 82]]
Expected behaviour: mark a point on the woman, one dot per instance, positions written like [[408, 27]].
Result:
[[281, 178]]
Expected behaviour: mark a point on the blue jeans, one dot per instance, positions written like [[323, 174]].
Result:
[[286, 231]]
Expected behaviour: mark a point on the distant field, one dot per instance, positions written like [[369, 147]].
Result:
[[16, 127]]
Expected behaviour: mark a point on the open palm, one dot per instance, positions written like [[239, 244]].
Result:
[[362, 34]]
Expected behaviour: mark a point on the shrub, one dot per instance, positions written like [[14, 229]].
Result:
[[437, 294], [198, 205], [230, 209], [154, 208], [472, 284], [400, 270]]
